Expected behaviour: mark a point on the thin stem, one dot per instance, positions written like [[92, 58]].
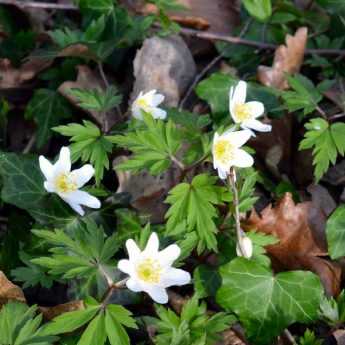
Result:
[[101, 72], [30, 144], [321, 112], [336, 116], [119, 285], [232, 182], [42, 5], [177, 162], [289, 336]]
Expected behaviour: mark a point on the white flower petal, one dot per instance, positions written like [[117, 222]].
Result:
[[168, 255], [49, 187], [83, 198], [238, 138], [175, 276], [158, 113], [63, 164], [157, 99], [222, 173], [133, 250], [46, 167], [240, 93], [137, 113], [133, 285], [76, 207], [158, 294], [244, 247], [256, 109], [257, 125], [242, 159], [152, 245], [83, 175], [125, 266]]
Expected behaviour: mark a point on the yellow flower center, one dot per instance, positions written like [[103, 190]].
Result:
[[64, 184], [242, 111], [223, 151], [142, 103], [149, 271]]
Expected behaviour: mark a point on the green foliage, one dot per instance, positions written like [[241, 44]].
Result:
[[97, 100], [332, 311], [20, 326], [193, 326], [47, 108], [305, 96], [89, 145], [326, 141], [335, 233], [86, 254], [309, 338], [259, 9], [267, 304], [193, 208], [154, 146], [206, 281]]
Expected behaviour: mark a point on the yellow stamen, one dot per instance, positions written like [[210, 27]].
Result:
[[223, 151], [149, 271], [64, 184], [242, 111], [142, 103]]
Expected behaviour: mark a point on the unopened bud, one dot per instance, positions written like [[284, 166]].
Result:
[[244, 247]]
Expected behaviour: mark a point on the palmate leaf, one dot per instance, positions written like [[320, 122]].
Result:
[[47, 108], [193, 206], [20, 326], [89, 145], [326, 141], [267, 304], [153, 147]]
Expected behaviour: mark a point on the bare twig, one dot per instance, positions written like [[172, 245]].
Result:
[[43, 5], [30, 144], [256, 44]]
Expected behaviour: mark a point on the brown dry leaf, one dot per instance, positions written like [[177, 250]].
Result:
[[9, 291], [301, 245], [77, 50], [88, 79], [287, 59], [230, 337], [217, 16], [11, 77], [50, 312]]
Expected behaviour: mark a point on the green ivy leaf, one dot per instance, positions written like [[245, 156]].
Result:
[[193, 205], [259, 9], [47, 108], [266, 304], [22, 180], [206, 281], [99, 6], [335, 231]]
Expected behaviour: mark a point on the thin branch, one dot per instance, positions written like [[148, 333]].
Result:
[[321, 112], [30, 144], [43, 5], [336, 116], [289, 336], [256, 44], [119, 285], [177, 162]]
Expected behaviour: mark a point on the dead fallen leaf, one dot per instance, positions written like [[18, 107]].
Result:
[[287, 59], [339, 336], [177, 301], [301, 246], [88, 79], [147, 192], [217, 16], [77, 50], [50, 312], [9, 291], [230, 337], [11, 77]]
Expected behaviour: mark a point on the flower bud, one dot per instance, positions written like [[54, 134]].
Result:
[[244, 247]]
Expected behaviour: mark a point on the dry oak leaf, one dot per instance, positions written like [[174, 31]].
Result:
[[9, 291], [11, 77], [50, 313], [287, 59], [301, 244]]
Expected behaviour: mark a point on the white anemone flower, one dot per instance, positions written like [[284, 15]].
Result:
[[244, 247], [148, 103], [66, 183], [227, 153], [151, 270], [246, 114]]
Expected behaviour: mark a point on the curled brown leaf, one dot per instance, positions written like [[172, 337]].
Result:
[[288, 58], [9, 291]]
